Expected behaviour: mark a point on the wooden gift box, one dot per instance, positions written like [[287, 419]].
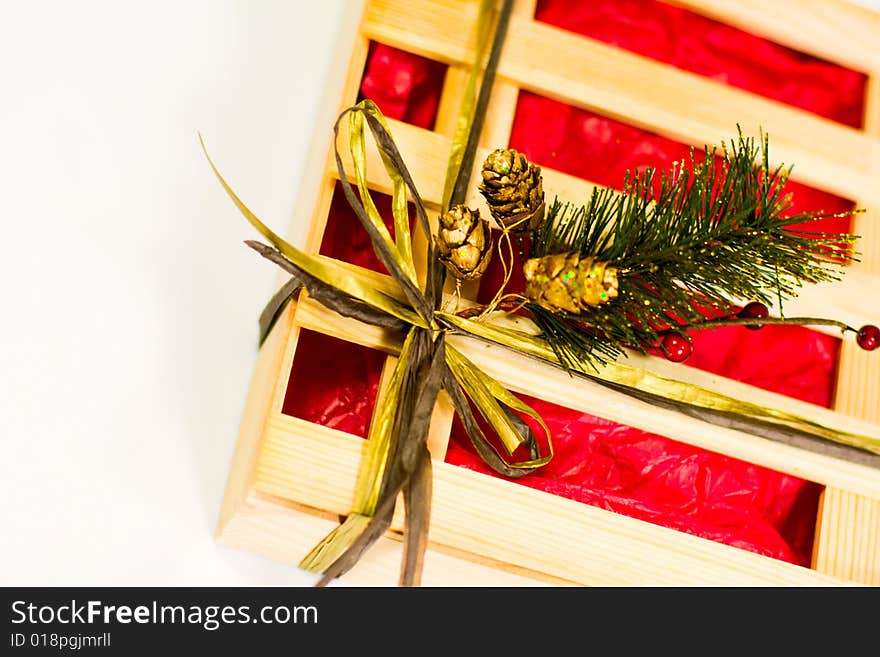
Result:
[[292, 480]]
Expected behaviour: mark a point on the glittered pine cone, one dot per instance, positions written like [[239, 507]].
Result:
[[513, 189], [464, 242], [569, 282]]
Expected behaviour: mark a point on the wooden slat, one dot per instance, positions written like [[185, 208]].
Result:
[[502, 105], [858, 387], [496, 130], [848, 529], [499, 117], [843, 300], [523, 375], [837, 30], [645, 93], [316, 467], [316, 194], [446, 123], [426, 153], [848, 537], [441, 418], [314, 315], [499, 113], [283, 531]]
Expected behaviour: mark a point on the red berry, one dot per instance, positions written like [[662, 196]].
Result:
[[868, 337], [676, 347], [755, 310]]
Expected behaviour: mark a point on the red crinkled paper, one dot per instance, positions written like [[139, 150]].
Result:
[[333, 383], [597, 462]]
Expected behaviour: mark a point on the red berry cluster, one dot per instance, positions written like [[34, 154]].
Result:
[[677, 346]]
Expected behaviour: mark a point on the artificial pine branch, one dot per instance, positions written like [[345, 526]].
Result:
[[686, 244]]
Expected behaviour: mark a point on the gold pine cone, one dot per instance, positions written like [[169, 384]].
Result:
[[569, 282], [513, 189], [464, 242]]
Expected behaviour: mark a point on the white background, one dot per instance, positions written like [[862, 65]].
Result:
[[128, 329]]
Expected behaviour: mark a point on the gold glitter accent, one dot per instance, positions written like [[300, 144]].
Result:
[[569, 282]]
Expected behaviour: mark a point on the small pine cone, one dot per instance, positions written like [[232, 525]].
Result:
[[464, 242], [513, 189], [569, 282]]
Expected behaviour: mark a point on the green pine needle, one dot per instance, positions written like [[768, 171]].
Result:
[[714, 232]]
